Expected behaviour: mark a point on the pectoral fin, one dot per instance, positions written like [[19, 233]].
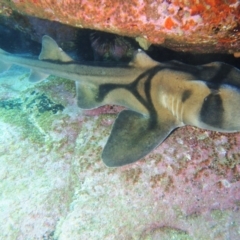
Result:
[[133, 136], [86, 95]]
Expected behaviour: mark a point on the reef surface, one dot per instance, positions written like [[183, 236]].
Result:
[[204, 26]]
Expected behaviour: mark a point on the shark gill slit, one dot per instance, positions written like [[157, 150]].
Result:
[[175, 108]]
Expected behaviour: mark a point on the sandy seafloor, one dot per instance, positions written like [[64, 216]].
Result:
[[55, 186]]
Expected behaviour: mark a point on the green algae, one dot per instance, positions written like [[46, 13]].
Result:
[[55, 86], [35, 110], [11, 104], [20, 119], [44, 104], [35, 128]]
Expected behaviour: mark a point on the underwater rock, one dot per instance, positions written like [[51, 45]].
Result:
[[203, 27], [34, 28]]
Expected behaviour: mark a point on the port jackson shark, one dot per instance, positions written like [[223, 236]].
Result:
[[159, 97]]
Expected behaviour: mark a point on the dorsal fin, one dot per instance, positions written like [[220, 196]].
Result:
[[142, 60], [51, 51]]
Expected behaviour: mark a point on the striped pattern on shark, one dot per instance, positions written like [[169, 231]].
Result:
[[159, 96]]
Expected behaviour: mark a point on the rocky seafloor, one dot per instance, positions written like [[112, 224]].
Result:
[[55, 186]]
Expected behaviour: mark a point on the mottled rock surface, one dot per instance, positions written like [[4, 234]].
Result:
[[202, 26]]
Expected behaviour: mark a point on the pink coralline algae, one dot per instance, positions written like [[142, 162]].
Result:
[[202, 167], [202, 26]]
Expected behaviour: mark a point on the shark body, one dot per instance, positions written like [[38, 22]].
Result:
[[159, 96]]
